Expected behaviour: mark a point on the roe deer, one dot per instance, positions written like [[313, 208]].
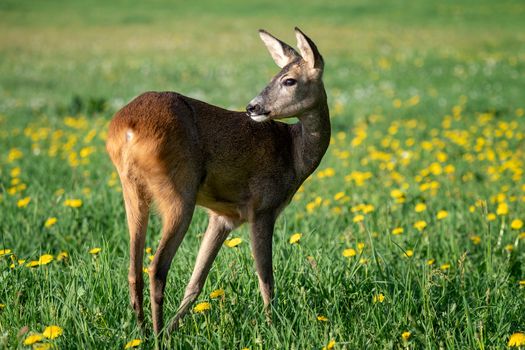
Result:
[[242, 166]]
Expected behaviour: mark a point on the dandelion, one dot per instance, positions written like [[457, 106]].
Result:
[[358, 218], [322, 318], [232, 243], [420, 207], [14, 154], [33, 263], [330, 345], [217, 293], [360, 246], [42, 346], [295, 238], [45, 259], [52, 332], [5, 252], [445, 267], [62, 256], [201, 307], [431, 262], [409, 253], [33, 338], [516, 340], [420, 225], [397, 231], [132, 343], [50, 222], [349, 252], [509, 248], [378, 298], [2, 306], [491, 217], [405, 335], [441, 214], [503, 209], [516, 224], [22, 203], [95, 251], [475, 239], [73, 203]]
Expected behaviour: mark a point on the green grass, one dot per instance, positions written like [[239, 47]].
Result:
[[422, 95]]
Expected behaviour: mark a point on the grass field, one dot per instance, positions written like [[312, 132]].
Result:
[[412, 229]]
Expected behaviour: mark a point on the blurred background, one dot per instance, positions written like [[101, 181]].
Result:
[[57, 54]]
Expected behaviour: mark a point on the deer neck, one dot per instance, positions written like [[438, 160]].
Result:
[[312, 137]]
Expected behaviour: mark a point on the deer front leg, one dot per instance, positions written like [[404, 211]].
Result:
[[218, 229], [261, 237]]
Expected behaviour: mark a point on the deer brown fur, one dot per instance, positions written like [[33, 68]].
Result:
[[243, 167]]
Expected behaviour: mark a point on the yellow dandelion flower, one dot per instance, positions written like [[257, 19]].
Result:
[[445, 267], [420, 207], [330, 345], [475, 239], [295, 238], [232, 243], [5, 252], [73, 203], [503, 209], [360, 246], [339, 195], [50, 222], [43, 346], [358, 218], [509, 248], [441, 214], [15, 172], [33, 338], [148, 250], [62, 256], [2, 306], [52, 332], [491, 217], [516, 340], [397, 231], [420, 225], [95, 251], [217, 293], [396, 193], [349, 252], [522, 283], [14, 154], [378, 298], [409, 253], [363, 261], [132, 343], [322, 318], [405, 335], [516, 224], [33, 263], [201, 307], [431, 262], [22, 203], [45, 259]]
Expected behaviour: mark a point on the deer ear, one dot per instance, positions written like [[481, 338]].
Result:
[[308, 50], [281, 53]]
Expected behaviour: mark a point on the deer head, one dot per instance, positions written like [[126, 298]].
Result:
[[297, 88]]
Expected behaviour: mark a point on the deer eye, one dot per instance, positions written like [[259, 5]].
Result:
[[289, 82]]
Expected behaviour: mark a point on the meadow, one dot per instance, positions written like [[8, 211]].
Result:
[[410, 235]]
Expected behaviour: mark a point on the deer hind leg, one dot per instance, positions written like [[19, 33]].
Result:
[[218, 229], [261, 232], [137, 203], [176, 205]]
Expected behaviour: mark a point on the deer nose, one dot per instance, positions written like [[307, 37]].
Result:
[[254, 109]]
